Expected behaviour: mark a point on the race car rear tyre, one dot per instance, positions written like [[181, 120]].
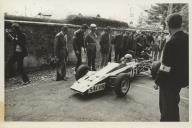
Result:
[[81, 71], [122, 84], [155, 68]]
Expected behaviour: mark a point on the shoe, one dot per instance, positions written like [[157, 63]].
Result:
[[65, 78], [27, 82], [59, 79]]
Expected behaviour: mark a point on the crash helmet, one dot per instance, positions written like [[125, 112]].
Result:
[[128, 57]]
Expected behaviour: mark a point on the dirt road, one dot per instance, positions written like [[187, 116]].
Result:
[[48, 100]]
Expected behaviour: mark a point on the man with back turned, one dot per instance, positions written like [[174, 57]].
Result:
[[174, 70]]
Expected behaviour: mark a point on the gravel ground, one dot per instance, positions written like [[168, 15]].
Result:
[[37, 76]]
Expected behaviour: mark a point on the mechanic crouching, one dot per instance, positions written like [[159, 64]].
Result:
[[90, 44]]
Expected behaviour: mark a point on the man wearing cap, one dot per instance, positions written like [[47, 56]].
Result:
[[105, 43], [78, 43], [174, 70], [61, 52], [90, 44], [19, 40]]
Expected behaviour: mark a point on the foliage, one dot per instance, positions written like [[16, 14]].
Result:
[[159, 12], [74, 19], [101, 22], [185, 13]]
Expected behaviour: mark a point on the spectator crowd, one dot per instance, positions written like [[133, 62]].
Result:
[[141, 44]]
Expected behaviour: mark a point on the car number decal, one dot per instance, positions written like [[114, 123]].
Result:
[[132, 72], [97, 88]]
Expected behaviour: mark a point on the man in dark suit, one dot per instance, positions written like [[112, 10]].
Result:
[[118, 47], [19, 40], [125, 44], [105, 44], [174, 70], [78, 43], [61, 52]]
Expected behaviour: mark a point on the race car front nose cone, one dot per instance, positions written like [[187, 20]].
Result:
[[80, 87]]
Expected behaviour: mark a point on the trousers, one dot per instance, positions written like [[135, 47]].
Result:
[[91, 55], [17, 58], [79, 59], [104, 59], [169, 103], [61, 66]]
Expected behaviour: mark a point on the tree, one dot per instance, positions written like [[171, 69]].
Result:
[[80, 14], [100, 22], [98, 16], [158, 12], [185, 14]]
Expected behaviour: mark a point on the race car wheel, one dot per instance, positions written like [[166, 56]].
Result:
[[122, 84], [155, 68], [81, 71]]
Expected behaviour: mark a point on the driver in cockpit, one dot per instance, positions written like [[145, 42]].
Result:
[[126, 59]]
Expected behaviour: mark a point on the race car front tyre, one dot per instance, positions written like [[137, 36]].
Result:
[[122, 84], [81, 71], [155, 68]]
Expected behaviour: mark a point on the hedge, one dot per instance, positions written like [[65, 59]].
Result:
[[74, 19], [100, 22]]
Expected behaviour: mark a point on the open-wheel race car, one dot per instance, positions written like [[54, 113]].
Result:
[[114, 75]]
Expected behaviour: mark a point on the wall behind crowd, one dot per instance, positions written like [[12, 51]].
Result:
[[39, 41]]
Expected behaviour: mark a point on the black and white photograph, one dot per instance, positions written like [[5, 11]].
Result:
[[95, 61]]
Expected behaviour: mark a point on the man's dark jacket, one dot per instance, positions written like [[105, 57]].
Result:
[[118, 41], [60, 46], [105, 43], [21, 42], [78, 40], [176, 56]]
